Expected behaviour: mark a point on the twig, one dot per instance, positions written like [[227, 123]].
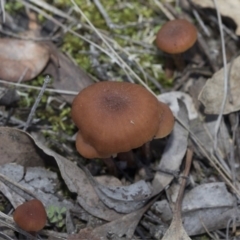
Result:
[[178, 206], [20, 85], [51, 8], [103, 12], [5, 32], [225, 93], [201, 23], [117, 57], [167, 13], [3, 10], [204, 47], [212, 159], [35, 105]]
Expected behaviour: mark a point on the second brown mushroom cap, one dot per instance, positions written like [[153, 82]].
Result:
[[115, 117], [176, 36], [30, 216]]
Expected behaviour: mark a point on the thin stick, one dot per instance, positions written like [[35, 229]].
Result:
[[225, 93], [20, 85], [103, 12], [35, 105], [201, 23], [3, 11], [212, 159], [120, 60], [188, 163], [164, 10]]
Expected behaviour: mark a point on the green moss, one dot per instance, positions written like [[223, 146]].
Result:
[[125, 14], [13, 6]]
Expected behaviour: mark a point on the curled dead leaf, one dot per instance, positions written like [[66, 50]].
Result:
[[228, 8], [211, 95], [21, 58]]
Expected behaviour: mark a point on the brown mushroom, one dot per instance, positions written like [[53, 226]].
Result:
[[175, 37], [30, 216], [115, 117]]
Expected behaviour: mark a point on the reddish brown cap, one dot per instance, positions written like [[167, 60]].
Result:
[[166, 122], [114, 117], [30, 216], [176, 36]]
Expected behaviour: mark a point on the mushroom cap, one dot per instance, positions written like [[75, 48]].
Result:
[[114, 117], [166, 122], [30, 216], [176, 36]]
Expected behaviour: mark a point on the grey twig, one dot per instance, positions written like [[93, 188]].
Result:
[[104, 13], [35, 105]]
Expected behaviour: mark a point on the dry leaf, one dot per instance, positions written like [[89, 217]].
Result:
[[173, 153], [17, 147], [211, 95], [207, 205], [123, 226], [171, 99], [77, 182], [176, 230], [228, 8], [204, 128], [124, 199], [21, 58], [68, 76]]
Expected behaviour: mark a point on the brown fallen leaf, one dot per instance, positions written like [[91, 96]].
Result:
[[17, 147], [176, 230], [21, 59], [123, 226], [77, 182], [228, 8], [67, 76], [211, 95]]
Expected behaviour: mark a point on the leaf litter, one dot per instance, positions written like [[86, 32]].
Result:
[[100, 191], [126, 199], [21, 58], [176, 230], [212, 92]]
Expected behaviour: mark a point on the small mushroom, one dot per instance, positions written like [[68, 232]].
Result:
[[30, 216], [175, 37], [115, 117]]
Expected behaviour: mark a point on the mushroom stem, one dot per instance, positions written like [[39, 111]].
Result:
[[179, 61]]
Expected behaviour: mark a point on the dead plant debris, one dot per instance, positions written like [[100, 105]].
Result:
[[150, 192]]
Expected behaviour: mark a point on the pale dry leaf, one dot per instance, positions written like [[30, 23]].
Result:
[[211, 95], [173, 152], [78, 182], [208, 195], [203, 129], [228, 8], [176, 231], [21, 58], [123, 199], [14, 172], [210, 205], [171, 99], [123, 226]]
